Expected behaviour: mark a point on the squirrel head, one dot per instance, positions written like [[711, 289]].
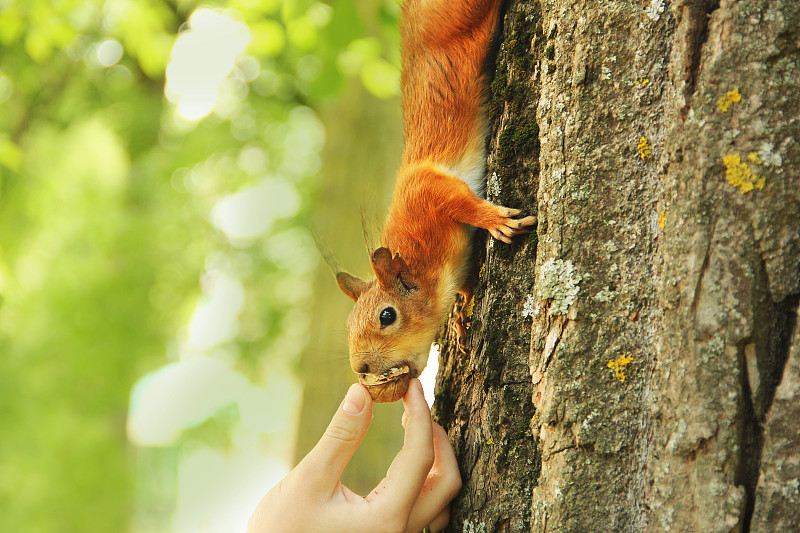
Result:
[[393, 322]]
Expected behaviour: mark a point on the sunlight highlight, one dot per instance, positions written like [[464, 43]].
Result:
[[250, 213], [179, 396], [428, 376], [202, 58], [217, 491], [216, 319]]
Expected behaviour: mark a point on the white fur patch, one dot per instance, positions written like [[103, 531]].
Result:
[[472, 171]]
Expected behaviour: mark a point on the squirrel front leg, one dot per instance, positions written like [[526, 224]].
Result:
[[463, 205]]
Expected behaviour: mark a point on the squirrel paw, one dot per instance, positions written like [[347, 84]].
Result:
[[460, 330], [507, 226]]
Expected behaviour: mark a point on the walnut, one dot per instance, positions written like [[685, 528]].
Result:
[[389, 386]]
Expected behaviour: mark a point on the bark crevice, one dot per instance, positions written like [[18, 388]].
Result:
[[771, 359], [751, 441], [787, 46], [704, 268], [785, 320], [697, 17]]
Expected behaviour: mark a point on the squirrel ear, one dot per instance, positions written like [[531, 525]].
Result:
[[350, 285], [389, 270]]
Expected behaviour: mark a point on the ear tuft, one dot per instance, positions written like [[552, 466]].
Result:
[[350, 285]]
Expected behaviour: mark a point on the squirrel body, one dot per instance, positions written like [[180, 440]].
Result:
[[438, 195]]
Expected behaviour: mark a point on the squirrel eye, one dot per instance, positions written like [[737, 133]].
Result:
[[388, 316]]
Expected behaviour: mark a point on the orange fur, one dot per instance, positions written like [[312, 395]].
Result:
[[425, 243], [444, 50]]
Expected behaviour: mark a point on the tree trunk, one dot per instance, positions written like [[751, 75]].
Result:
[[635, 364], [355, 176]]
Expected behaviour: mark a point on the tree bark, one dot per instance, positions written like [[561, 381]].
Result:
[[635, 364]]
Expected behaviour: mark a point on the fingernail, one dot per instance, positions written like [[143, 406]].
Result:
[[355, 400]]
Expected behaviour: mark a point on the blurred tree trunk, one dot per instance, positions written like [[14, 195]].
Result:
[[635, 364], [362, 150]]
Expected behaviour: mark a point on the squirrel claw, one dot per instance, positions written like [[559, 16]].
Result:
[[509, 227], [499, 236], [460, 331]]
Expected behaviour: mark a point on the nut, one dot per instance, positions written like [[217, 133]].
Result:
[[389, 386], [391, 391]]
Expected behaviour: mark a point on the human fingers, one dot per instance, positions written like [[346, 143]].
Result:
[[326, 461], [398, 491], [441, 486], [440, 522]]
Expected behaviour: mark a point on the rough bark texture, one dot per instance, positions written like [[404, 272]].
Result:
[[628, 364]]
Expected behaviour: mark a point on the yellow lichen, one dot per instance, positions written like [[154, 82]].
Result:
[[739, 174], [643, 148], [619, 365], [662, 219], [490, 441], [470, 307], [753, 157], [730, 98]]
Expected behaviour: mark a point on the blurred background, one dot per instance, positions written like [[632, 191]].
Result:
[[170, 340]]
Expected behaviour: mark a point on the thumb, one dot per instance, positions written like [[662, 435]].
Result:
[[344, 434]]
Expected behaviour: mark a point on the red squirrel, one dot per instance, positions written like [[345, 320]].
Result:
[[421, 263]]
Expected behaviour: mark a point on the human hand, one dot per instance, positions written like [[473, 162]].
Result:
[[416, 492]]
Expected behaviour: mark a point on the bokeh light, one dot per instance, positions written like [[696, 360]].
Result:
[[202, 57]]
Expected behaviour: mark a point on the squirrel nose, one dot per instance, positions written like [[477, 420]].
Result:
[[363, 369]]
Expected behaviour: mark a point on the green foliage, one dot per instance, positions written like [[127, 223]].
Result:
[[108, 201]]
